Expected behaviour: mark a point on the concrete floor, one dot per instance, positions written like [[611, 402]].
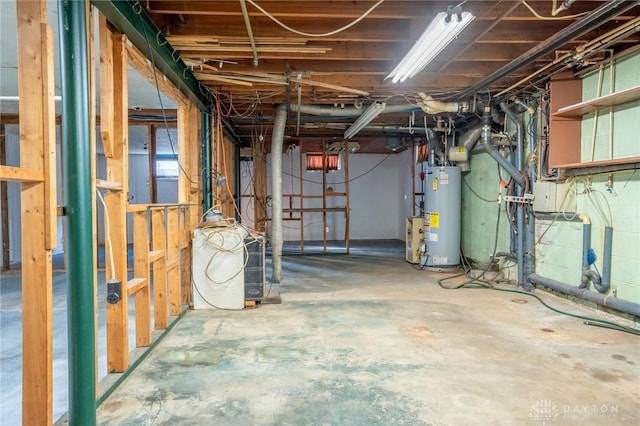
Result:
[[11, 344], [359, 339]]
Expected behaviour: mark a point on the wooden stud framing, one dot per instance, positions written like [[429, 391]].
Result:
[[141, 272], [4, 203], [260, 186], [173, 260], [154, 76], [195, 168], [183, 157], [114, 131], [325, 209], [37, 141], [185, 257], [183, 198], [21, 174], [157, 257]]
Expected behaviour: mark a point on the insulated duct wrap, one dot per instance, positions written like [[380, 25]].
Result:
[[276, 191]]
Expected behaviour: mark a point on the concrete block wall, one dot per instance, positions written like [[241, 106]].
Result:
[[558, 254], [479, 217], [618, 206]]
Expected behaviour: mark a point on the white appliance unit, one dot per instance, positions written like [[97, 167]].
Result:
[[218, 267], [413, 237], [442, 218]]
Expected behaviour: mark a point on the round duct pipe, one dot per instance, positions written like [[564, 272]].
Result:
[[393, 141]]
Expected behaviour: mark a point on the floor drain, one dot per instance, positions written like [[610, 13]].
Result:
[[519, 301]]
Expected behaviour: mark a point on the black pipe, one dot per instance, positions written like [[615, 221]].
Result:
[[582, 293], [596, 18]]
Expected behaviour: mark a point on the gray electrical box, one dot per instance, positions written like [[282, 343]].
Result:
[[553, 197]]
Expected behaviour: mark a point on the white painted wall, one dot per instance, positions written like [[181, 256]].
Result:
[[380, 197], [167, 190]]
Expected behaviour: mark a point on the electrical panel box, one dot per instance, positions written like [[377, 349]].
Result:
[[254, 270], [553, 197], [414, 235]]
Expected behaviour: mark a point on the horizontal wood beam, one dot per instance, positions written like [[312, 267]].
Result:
[[20, 174]]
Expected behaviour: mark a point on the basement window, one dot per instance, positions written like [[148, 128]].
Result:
[[314, 162], [167, 166]]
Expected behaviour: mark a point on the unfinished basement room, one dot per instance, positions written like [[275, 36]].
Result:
[[333, 212]]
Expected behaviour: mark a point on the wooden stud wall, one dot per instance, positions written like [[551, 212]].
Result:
[[141, 278], [260, 214], [195, 167], [4, 203], [114, 131], [38, 205], [171, 225], [223, 155]]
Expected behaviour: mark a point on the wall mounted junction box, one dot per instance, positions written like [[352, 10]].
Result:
[[551, 197]]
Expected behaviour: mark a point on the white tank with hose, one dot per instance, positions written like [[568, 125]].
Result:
[[218, 267], [442, 218]]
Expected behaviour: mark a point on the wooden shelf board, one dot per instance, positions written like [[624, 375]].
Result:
[[315, 210], [586, 107], [614, 162]]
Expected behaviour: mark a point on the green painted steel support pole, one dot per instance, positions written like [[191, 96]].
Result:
[[206, 162], [78, 235], [236, 162]]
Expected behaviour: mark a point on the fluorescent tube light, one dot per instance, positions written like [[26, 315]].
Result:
[[374, 110], [435, 38], [17, 98]]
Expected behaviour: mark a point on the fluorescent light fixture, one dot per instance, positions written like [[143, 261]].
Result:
[[17, 98], [435, 38], [374, 110]]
